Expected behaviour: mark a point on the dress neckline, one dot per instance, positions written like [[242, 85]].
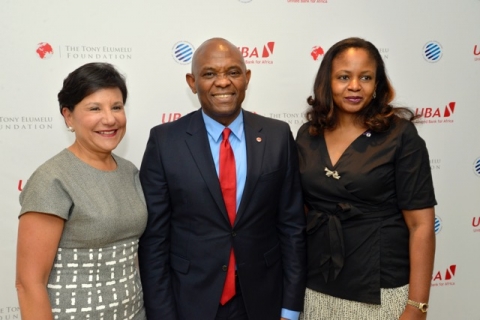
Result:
[[367, 133]]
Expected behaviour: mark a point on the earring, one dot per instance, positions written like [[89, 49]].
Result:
[[71, 129], [374, 94]]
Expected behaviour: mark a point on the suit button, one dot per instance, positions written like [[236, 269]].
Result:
[[224, 268], [234, 234]]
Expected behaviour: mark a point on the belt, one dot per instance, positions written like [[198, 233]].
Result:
[[326, 227]]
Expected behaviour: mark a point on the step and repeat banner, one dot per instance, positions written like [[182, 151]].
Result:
[[431, 50]]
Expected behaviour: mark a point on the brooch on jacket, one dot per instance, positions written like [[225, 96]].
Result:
[[330, 173]]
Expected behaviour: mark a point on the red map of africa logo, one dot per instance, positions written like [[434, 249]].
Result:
[[317, 52], [44, 50]]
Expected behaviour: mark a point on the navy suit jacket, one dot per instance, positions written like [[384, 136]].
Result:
[[185, 248]]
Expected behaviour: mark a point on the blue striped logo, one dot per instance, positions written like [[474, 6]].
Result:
[[476, 166], [438, 224], [432, 51], [183, 52]]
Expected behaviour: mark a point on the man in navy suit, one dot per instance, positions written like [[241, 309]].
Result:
[[184, 252]]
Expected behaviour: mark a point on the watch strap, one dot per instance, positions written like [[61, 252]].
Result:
[[422, 306]]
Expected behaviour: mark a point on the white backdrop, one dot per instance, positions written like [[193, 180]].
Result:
[[42, 41]]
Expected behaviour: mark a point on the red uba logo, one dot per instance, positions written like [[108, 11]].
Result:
[[449, 274], [317, 52], [476, 51], [267, 51], [476, 223], [44, 50], [170, 117], [436, 113], [20, 185]]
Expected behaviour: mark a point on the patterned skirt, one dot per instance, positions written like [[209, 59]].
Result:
[[97, 284], [319, 306]]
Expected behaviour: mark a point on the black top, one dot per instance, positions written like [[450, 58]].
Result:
[[357, 237]]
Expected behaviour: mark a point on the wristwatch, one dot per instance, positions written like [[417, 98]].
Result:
[[422, 306]]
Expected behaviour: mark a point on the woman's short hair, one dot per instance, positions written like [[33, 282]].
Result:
[[88, 79]]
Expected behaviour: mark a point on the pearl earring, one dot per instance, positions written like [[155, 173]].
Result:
[[70, 129]]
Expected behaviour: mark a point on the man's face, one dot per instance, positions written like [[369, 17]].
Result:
[[220, 79]]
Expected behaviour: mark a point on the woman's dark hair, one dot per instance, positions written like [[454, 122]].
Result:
[[88, 79], [376, 116]]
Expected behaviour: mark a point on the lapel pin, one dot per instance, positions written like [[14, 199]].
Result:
[[259, 139]]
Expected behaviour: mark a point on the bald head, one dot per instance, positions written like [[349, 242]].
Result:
[[218, 45]]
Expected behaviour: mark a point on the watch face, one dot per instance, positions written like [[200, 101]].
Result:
[[423, 307]]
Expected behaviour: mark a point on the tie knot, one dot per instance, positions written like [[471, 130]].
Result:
[[226, 133]]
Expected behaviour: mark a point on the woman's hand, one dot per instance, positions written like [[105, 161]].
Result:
[[412, 313]]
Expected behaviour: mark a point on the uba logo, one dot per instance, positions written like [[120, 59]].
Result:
[[44, 50], [317, 52], [436, 115], [476, 53], [170, 117], [249, 52], [476, 224], [21, 184], [444, 278]]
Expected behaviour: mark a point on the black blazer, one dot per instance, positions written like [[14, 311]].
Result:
[[187, 241]]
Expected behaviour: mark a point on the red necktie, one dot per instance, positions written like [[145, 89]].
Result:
[[228, 183]]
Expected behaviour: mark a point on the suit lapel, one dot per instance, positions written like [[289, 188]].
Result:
[[197, 142], [255, 141]]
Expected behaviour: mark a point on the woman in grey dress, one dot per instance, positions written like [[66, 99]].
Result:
[[83, 211]]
